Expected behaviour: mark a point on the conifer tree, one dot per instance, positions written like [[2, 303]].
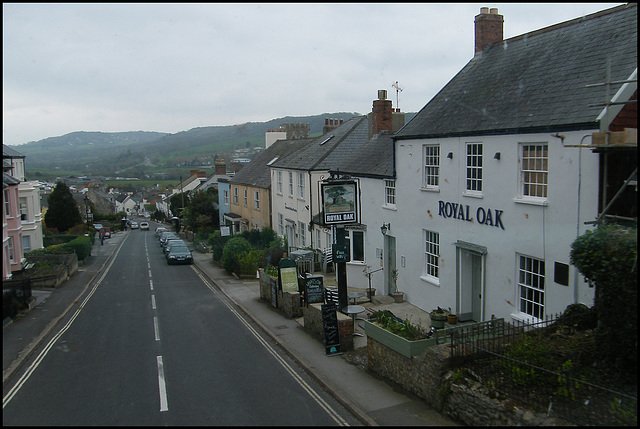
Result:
[[63, 211]]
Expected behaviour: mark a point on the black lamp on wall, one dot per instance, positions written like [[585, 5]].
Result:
[[384, 228]]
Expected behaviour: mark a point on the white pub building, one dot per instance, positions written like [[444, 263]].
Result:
[[495, 176]]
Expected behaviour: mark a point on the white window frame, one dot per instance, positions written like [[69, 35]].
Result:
[[280, 224], [534, 172], [390, 193], [302, 234], [26, 243], [235, 195], [7, 204], [431, 257], [531, 286], [474, 154], [349, 237], [225, 197], [301, 186], [245, 197], [431, 167], [291, 184], [11, 250], [256, 200], [279, 182]]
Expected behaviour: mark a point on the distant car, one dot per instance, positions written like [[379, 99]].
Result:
[[105, 232], [134, 225], [144, 226], [179, 255]]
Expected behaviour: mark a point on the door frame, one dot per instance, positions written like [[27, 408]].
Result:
[[464, 292]]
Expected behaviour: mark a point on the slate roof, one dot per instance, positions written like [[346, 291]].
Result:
[[535, 82], [329, 151], [374, 159], [257, 173], [8, 152]]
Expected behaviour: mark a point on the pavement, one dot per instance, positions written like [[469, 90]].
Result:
[[373, 400]]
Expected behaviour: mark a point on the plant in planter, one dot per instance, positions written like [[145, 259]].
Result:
[[406, 338], [396, 294], [438, 317]]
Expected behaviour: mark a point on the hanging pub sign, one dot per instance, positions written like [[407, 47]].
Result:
[[339, 202]]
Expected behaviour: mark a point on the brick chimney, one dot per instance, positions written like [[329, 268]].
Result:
[[489, 28], [220, 167], [381, 114]]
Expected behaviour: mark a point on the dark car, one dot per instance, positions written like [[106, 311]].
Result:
[[166, 236], [179, 255], [172, 242]]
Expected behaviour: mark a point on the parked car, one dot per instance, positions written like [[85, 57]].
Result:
[[105, 232], [134, 225], [160, 230], [172, 242], [144, 226], [179, 255], [165, 236]]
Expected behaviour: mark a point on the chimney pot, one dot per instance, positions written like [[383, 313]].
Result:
[[382, 94], [484, 10], [494, 10]]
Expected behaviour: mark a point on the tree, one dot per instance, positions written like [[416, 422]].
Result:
[[203, 210], [608, 257], [63, 211]]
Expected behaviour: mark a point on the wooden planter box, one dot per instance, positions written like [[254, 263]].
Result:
[[395, 342]]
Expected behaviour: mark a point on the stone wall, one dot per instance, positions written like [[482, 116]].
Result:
[[454, 394], [288, 302], [313, 324]]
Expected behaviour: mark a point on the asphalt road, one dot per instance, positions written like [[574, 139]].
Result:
[[154, 344]]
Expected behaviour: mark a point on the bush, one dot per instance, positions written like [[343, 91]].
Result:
[[250, 261], [80, 245], [232, 252]]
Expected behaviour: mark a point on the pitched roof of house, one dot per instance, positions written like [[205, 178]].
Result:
[[8, 152], [374, 159], [257, 173], [536, 82], [328, 151]]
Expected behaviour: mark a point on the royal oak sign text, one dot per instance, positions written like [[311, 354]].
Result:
[[484, 216]]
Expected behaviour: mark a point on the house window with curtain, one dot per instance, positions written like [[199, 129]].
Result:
[[534, 170], [256, 200], [245, 197], [531, 286], [280, 225], [26, 243], [474, 168], [24, 211], [431, 172], [235, 195], [225, 196]]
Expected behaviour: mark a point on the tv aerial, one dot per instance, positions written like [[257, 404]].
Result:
[[398, 91]]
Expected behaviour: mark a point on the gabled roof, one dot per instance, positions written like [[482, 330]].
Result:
[[537, 81], [258, 173], [328, 151], [8, 152], [374, 159]]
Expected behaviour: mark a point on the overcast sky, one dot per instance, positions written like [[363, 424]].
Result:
[[173, 67]]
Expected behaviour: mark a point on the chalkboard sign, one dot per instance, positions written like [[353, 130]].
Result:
[[331, 334], [288, 275], [313, 289], [274, 291]]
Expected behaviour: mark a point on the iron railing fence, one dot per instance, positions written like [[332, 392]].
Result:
[[547, 366]]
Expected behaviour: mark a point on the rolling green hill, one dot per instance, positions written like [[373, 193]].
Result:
[[143, 153]]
